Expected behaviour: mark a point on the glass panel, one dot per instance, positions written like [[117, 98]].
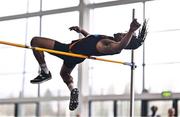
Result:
[[178, 108], [162, 107], [161, 18], [31, 65], [10, 85], [6, 110], [11, 34], [57, 27], [30, 90], [99, 1], [161, 58], [101, 71], [55, 4], [161, 71], [33, 5], [102, 81], [114, 18], [102, 109], [56, 86], [13, 30], [12, 7], [166, 44], [12, 59], [123, 108], [59, 109], [162, 77], [27, 110], [33, 27]]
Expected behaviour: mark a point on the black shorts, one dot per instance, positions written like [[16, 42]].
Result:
[[69, 61]]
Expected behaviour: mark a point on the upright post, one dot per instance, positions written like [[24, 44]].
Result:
[[132, 77]]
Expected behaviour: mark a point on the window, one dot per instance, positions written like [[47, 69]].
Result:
[[13, 85], [7, 110], [103, 109], [162, 106], [10, 62], [57, 27], [10, 33], [162, 42], [33, 5], [13, 7], [27, 109], [14, 58], [30, 90], [123, 108], [55, 4], [56, 108], [110, 78], [161, 18], [100, 1]]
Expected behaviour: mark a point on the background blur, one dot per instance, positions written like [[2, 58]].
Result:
[[104, 87]]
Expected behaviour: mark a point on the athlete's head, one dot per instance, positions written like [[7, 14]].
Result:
[[136, 41]]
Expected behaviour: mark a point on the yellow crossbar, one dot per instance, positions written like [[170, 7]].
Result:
[[63, 53]]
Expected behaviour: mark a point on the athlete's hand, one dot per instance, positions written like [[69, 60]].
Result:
[[134, 25], [75, 28]]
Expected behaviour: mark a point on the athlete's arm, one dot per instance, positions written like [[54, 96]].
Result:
[[109, 46], [79, 30]]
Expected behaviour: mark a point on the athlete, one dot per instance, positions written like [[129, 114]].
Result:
[[90, 45]]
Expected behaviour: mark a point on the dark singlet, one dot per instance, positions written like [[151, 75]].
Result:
[[87, 46]]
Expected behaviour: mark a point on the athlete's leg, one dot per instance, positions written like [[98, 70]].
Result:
[[39, 55], [66, 75], [42, 43], [68, 79]]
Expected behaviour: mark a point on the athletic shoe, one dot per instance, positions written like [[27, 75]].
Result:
[[42, 77], [73, 104]]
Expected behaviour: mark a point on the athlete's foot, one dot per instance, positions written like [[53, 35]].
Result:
[[73, 104], [42, 77]]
